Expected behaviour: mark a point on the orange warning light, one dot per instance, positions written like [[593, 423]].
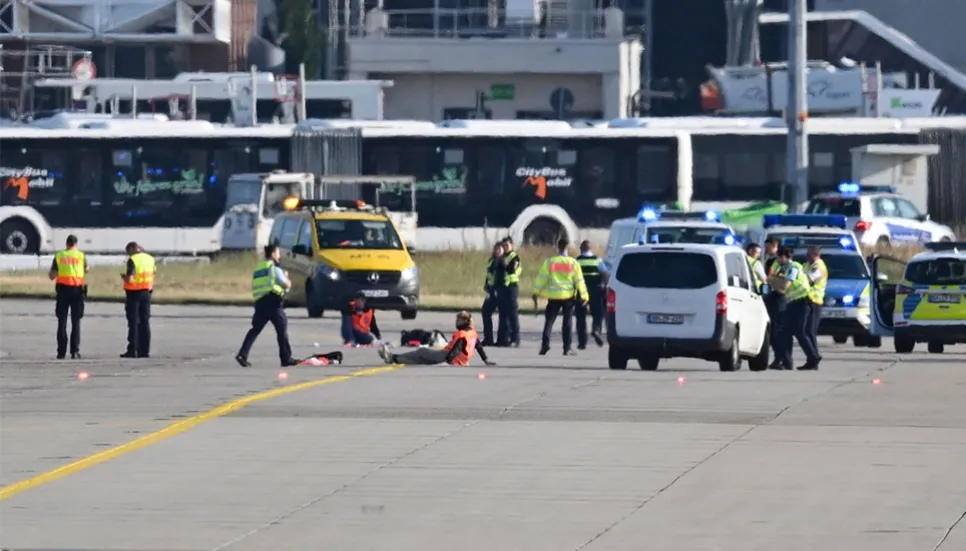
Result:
[[291, 203]]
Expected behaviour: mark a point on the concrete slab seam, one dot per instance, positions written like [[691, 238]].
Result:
[[949, 531], [176, 428]]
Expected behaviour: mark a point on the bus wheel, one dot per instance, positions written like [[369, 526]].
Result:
[[543, 232], [19, 237]]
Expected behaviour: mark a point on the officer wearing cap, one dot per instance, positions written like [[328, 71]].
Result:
[[67, 271], [138, 285], [594, 271]]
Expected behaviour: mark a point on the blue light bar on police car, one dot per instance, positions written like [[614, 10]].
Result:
[[807, 220], [707, 216], [647, 214], [854, 188], [946, 246]]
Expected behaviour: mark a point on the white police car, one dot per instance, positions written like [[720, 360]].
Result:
[[685, 300], [805, 230], [663, 227], [879, 216]]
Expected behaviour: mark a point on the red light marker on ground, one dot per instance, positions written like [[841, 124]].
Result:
[[680, 380], [83, 376], [283, 376], [876, 381], [481, 376]]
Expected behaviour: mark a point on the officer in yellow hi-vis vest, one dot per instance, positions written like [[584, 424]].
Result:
[[138, 285], [269, 285], [495, 272], [508, 296], [753, 250], [561, 281], [792, 281], [67, 271], [818, 278]]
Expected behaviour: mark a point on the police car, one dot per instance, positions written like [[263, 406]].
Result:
[[845, 312], [805, 230], [879, 216], [923, 300], [654, 226]]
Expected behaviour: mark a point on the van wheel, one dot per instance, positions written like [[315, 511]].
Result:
[[903, 345], [874, 342], [840, 339], [312, 304], [860, 341], [731, 358], [616, 359], [760, 362], [409, 314], [648, 363], [936, 348], [19, 237]]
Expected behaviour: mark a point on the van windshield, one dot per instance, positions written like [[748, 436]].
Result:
[[938, 271], [357, 234], [687, 234], [667, 270], [249, 192]]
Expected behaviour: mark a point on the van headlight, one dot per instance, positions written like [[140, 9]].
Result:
[[328, 272], [411, 272]]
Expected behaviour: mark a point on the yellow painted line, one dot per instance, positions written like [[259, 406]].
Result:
[[176, 428]]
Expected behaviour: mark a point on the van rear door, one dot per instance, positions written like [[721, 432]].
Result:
[[666, 292]]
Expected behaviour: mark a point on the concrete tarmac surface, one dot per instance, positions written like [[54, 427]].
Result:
[[538, 454]]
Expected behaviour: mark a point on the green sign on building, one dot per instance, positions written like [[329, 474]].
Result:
[[504, 92]]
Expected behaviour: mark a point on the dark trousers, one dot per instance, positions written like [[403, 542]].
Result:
[[776, 304], [137, 307], [797, 323], [421, 356], [490, 304], [69, 305], [269, 309], [351, 335], [554, 308], [508, 303], [814, 318], [595, 307]]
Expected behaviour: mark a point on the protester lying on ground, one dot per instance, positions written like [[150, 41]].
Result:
[[461, 348]]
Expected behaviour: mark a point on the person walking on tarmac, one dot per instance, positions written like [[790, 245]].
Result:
[[458, 352], [67, 271], [508, 296], [792, 281], [269, 285], [561, 281], [138, 285], [593, 269], [818, 278], [359, 325], [495, 274]]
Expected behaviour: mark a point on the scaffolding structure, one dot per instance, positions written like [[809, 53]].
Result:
[[20, 68]]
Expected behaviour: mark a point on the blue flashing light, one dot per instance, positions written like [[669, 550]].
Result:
[[846, 242], [712, 216], [854, 188], [647, 214], [729, 239], [848, 300], [808, 220], [849, 187]]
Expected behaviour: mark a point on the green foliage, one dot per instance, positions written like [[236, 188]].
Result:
[[303, 40]]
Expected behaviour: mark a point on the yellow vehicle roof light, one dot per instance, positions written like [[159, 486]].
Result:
[[291, 203]]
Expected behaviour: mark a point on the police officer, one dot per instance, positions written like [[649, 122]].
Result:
[[775, 302], [792, 281], [495, 273], [818, 278], [67, 271], [269, 285], [560, 280], [770, 254], [508, 297], [593, 269], [753, 250], [138, 285]]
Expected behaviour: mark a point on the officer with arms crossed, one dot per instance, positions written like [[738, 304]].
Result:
[[269, 285], [561, 281], [495, 274], [464, 342], [67, 271], [818, 278], [138, 284], [508, 296], [594, 271], [792, 281]]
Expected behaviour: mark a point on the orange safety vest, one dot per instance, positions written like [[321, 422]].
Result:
[[361, 321], [70, 268], [471, 337], [143, 278]]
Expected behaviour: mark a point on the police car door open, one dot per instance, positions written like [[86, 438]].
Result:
[[887, 273]]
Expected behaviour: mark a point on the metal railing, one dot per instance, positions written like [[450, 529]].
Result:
[[486, 23]]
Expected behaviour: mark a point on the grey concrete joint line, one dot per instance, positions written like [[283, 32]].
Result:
[[949, 531]]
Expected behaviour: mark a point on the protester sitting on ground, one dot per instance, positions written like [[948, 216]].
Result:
[[463, 344], [359, 325]]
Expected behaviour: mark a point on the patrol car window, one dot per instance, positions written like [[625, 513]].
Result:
[[940, 271], [357, 234], [667, 270], [835, 205], [907, 209], [885, 207], [288, 232], [684, 234], [734, 265], [841, 266]]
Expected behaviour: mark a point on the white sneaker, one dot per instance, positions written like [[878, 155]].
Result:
[[384, 352]]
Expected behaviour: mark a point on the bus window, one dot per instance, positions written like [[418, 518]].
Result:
[[87, 189], [491, 170], [707, 176], [598, 174], [228, 160], [745, 177], [654, 170], [33, 176]]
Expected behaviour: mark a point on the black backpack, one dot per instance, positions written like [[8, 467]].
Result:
[[422, 337]]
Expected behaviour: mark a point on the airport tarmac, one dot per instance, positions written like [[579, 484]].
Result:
[[537, 454]]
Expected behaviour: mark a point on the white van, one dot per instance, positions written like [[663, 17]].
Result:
[[685, 301], [670, 229]]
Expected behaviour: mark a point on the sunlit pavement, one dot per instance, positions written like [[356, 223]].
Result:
[[538, 454]]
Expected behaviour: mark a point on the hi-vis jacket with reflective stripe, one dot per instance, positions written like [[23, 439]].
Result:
[[560, 278]]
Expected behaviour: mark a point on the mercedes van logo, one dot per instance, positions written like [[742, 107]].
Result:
[[373, 277], [666, 298]]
